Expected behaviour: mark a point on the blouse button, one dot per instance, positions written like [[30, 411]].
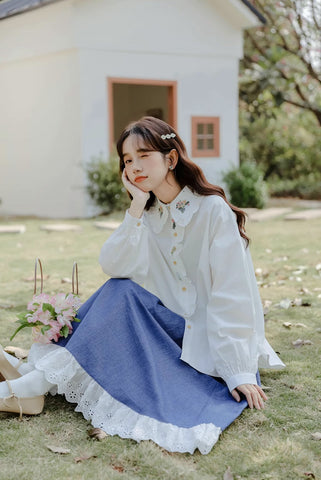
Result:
[[174, 262], [138, 224], [189, 326], [184, 289], [175, 234]]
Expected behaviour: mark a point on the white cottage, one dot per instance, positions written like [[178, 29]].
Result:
[[73, 73]]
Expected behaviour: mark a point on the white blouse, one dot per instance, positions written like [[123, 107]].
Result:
[[189, 253]]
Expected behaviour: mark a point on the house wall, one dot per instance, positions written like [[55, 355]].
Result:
[[40, 148], [40, 154], [54, 65], [196, 46]]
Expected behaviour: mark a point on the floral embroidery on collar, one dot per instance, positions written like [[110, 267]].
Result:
[[180, 210], [182, 204]]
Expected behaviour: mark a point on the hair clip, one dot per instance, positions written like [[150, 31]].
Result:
[[168, 135]]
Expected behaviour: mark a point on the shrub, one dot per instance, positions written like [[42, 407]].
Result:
[[105, 186], [308, 188], [246, 186]]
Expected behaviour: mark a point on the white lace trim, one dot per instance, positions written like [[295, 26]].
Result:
[[105, 412]]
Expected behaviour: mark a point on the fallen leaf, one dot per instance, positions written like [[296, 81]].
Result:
[[285, 303], [6, 306], [287, 324], [300, 325], [266, 306], [83, 458], [318, 266], [297, 302], [228, 474], [97, 433], [31, 279], [119, 468], [299, 342], [316, 436], [281, 259], [305, 291], [54, 449], [66, 280], [309, 474]]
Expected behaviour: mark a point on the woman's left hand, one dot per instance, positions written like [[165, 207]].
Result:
[[253, 394]]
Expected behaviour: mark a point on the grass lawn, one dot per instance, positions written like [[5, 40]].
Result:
[[276, 443]]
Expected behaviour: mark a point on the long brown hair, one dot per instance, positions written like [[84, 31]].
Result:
[[187, 173]]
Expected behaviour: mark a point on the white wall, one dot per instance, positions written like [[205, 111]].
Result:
[[54, 64], [205, 87], [191, 42], [40, 152]]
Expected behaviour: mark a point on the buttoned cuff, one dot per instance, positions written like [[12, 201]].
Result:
[[240, 379], [129, 220]]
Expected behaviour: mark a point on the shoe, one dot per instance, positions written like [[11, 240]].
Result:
[[28, 406], [7, 371]]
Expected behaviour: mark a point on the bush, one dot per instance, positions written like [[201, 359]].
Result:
[[246, 186], [105, 186], [308, 188]]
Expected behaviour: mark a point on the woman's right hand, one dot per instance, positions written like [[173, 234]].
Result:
[[140, 197]]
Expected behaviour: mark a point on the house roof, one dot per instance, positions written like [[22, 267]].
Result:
[[254, 10], [8, 8]]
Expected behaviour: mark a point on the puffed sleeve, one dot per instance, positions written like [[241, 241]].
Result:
[[231, 316], [125, 252]]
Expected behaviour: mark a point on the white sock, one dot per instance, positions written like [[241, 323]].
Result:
[[29, 385], [24, 367]]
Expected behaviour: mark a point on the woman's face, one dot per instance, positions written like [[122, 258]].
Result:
[[145, 168]]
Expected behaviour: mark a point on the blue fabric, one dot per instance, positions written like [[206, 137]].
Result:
[[130, 344]]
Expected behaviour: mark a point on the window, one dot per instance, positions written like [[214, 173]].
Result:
[[205, 136]]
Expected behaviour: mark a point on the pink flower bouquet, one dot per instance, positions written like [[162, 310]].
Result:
[[50, 317]]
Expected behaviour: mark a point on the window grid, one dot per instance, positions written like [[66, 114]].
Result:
[[205, 137]]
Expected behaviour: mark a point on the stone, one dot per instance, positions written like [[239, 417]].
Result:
[[257, 215], [304, 214], [60, 227], [12, 228], [108, 225]]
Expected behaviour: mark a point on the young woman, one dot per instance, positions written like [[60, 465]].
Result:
[[169, 348]]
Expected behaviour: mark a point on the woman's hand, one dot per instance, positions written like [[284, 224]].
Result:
[[253, 394], [140, 197]]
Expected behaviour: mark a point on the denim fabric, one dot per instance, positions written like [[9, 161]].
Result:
[[130, 344]]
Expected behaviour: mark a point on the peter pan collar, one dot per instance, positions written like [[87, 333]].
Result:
[[181, 210]]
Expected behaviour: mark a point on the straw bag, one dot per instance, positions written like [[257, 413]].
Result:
[[50, 316]]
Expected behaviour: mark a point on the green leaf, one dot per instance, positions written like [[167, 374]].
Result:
[[45, 328], [22, 316], [64, 331], [20, 328], [49, 307], [78, 320]]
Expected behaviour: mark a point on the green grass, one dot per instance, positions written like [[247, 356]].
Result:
[[272, 444]]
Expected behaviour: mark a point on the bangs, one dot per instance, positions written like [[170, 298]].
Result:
[[145, 139]]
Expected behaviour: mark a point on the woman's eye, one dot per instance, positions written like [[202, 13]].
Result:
[[127, 161], [145, 155]]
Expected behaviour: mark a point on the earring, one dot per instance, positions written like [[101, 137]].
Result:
[[171, 167]]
